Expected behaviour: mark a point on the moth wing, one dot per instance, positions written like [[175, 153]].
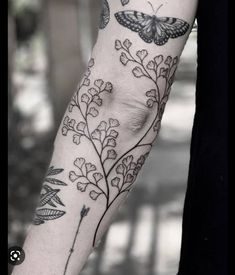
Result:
[[160, 36], [148, 32], [173, 27], [133, 20]]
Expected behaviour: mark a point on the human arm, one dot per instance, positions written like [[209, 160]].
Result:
[[125, 89]]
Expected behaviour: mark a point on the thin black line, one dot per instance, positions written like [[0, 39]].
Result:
[[135, 146], [109, 205], [105, 177], [72, 248]]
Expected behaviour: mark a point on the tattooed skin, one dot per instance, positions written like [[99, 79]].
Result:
[[105, 15], [125, 2], [83, 214], [49, 197], [101, 181], [152, 28], [157, 70]]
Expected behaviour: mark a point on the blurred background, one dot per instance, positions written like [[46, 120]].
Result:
[[49, 44]]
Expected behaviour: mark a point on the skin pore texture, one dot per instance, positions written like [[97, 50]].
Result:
[[107, 131]]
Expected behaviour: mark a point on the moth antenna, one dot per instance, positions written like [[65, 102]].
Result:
[[158, 8], [155, 12], [151, 5]]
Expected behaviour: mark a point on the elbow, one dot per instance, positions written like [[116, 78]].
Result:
[[129, 105]]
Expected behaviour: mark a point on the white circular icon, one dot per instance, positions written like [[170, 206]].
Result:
[[16, 255]]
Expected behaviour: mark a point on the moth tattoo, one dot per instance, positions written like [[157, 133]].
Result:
[[152, 28], [105, 15]]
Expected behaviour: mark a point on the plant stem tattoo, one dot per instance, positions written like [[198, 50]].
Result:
[[105, 15], [159, 71], [83, 214], [49, 197], [108, 182], [152, 28]]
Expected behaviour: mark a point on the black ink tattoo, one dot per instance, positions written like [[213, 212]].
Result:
[[105, 15], [83, 214], [103, 138], [49, 197], [125, 2], [86, 174], [152, 28], [102, 181], [127, 171], [157, 70]]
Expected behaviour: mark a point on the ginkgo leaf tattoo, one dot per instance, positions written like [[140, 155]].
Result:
[[111, 174], [49, 199], [125, 2], [152, 28]]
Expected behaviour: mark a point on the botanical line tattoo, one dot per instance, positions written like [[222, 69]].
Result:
[[125, 2], [114, 174], [49, 196], [83, 214], [105, 15], [152, 28], [159, 71]]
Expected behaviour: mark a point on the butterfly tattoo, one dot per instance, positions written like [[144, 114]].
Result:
[[152, 28], [105, 15]]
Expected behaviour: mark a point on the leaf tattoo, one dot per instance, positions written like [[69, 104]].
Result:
[[49, 214], [159, 70], [152, 28], [125, 2], [105, 15], [45, 198], [114, 174], [51, 171], [49, 197]]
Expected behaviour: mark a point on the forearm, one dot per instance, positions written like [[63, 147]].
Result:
[[104, 139]]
